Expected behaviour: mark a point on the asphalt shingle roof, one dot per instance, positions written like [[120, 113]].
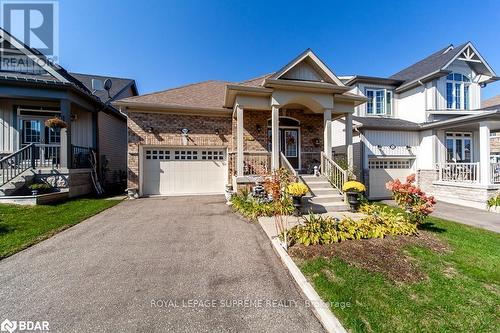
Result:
[[491, 103], [118, 84], [386, 123], [430, 64], [207, 94]]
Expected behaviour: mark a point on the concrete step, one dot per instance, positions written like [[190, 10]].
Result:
[[324, 191], [325, 199], [15, 184], [318, 185], [324, 208]]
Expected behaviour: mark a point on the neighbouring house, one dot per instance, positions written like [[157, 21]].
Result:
[[427, 119], [493, 104], [197, 138], [33, 90]]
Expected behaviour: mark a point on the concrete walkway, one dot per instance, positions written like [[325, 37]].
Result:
[[179, 264], [465, 215]]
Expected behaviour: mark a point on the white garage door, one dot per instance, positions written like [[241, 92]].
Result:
[[174, 171], [383, 170]]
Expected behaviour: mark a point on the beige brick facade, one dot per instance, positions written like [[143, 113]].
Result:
[[495, 144]]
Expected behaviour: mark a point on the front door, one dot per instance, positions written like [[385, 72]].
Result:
[[47, 139], [289, 145]]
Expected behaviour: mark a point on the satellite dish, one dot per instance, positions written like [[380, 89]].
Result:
[[107, 86]]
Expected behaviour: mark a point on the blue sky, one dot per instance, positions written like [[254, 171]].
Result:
[[163, 44]]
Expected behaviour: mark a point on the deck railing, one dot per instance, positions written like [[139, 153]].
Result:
[[459, 172], [333, 172], [16, 163], [80, 157], [495, 173]]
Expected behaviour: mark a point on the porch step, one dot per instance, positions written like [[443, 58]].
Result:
[[324, 197], [16, 183]]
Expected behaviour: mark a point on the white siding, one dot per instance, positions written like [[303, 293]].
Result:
[[303, 71], [112, 144], [7, 127], [411, 105], [426, 158], [400, 139], [81, 128]]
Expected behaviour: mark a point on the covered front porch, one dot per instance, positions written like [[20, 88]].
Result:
[[293, 137], [58, 156], [464, 171]]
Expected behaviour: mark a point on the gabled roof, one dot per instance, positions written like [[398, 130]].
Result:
[[119, 85], [202, 95], [313, 60], [430, 64], [491, 103], [436, 65]]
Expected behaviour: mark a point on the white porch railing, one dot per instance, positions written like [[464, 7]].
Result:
[[284, 163], [459, 172], [495, 173], [333, 172]]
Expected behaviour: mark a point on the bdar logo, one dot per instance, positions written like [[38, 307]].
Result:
[[8, 326]]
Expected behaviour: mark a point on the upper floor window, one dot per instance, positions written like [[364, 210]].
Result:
[[457, 92], [379, 102]]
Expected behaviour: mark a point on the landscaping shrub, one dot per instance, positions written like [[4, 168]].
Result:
[[381, 221], [412, 199], [253, 208], [494, 201], [41, 188]]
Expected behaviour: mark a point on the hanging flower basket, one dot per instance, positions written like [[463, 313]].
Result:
[[55, 123]]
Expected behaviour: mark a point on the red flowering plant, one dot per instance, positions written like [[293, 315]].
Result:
[[410, 197]]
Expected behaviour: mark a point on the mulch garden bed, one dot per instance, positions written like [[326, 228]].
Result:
[[386, 256]]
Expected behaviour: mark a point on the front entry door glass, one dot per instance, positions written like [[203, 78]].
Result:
[[32, 131]]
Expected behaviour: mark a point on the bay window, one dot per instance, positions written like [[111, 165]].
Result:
[[457, 92], [379, 102]]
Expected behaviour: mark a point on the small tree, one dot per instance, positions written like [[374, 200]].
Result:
[[412, 199], [276, 184]]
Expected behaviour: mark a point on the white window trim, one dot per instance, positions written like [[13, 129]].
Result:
[[453, 136], [462, 84], [384, 103]]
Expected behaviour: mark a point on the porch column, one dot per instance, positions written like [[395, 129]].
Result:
[[275, 137], [239, 140], [484, 153], [348, 140], [65, 154], [327, 120]]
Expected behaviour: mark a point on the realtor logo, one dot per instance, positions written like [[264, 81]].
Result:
[[8, 326], [34, 23]]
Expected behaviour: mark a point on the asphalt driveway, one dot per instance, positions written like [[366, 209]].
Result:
[[183, 264]]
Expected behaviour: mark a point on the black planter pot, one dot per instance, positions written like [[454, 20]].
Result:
[[297, 203], [353, 200]]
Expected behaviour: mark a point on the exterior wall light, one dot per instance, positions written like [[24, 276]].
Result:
[[379, 146], [258, 128], [149, 129], [217, 132]]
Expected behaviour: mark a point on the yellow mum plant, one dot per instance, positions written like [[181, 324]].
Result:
[[353, 185], [297, 189]]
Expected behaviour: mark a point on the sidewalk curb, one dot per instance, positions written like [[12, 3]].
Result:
[[320, 309]]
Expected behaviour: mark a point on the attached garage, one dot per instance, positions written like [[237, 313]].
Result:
[[382, 170], [183, 171]]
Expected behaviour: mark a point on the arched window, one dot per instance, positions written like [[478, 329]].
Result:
[[285, 121], [457, 91]]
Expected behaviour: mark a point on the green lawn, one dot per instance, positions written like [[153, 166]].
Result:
[[23, 226], [460, 294]]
